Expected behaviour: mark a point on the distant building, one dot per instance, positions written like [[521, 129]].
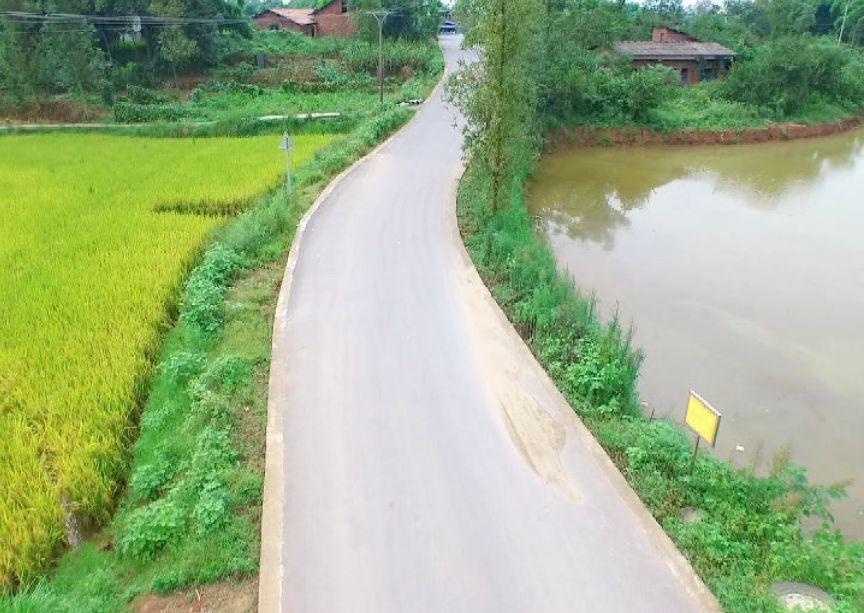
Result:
[[331, 19], [693, 59]]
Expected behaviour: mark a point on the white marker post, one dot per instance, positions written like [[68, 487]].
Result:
[[286, 144]]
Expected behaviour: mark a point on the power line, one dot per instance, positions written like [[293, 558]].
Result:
[[143, 20]]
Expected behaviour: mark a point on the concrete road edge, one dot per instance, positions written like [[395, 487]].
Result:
[[677, 561]]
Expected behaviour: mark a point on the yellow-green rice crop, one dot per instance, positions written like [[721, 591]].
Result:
[[92, 250]]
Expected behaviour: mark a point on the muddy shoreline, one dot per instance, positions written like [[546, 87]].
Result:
[[635, 137]]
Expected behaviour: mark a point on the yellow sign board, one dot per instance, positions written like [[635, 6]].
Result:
[[702, 418]]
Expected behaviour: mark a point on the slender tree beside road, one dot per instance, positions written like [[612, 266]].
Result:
[[498, 95]]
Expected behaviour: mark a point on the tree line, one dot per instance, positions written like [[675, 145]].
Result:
[[100, 46], [561, 67]]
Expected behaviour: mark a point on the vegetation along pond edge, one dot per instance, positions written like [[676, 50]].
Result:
[[632, 136]]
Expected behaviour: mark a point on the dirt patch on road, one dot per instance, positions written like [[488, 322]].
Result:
[[223, 597]]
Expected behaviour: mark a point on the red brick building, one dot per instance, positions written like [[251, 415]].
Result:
[[693, 59], [331, 19]]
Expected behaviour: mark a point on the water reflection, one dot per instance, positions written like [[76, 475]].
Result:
[[742, 269], [589, 191]]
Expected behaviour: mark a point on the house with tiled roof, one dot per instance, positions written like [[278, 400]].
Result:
[[331, 19], [694, 60]]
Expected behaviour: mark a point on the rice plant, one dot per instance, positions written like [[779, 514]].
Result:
[[97, 235]]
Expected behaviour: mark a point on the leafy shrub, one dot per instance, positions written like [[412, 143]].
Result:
[[786, 74], [701, 107], [141, 95], [590, 87], [332, 73], [129, 112], [212, 509], [642, 91], [133, 73], [151, 527], [243, 88], [399, 55], [241, 72], [202, 298], [149, 479], [183, 365]]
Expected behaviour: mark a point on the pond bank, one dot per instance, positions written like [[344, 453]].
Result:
[[687, 243], [750, 534], [633, 136]]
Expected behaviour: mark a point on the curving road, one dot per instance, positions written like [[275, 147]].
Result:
[[418, 458]]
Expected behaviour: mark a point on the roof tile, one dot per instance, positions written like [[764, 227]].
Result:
[[647, 49]]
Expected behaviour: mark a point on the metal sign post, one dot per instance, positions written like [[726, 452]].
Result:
[[286, 144], [704, 420]]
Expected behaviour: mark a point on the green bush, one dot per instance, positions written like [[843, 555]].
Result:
[[588, 87], [332, 73], [206, 288], [129, 112], [701, 107], [280, 42], [399, 55], [149, 528], [133, 73], [787, 74], [141, 95]]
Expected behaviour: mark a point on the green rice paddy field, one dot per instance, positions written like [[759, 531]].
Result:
[[96, 235]]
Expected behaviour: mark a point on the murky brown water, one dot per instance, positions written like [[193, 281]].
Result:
[[742, 269]]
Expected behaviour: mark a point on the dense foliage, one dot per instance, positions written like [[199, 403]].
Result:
[[499, 94], [418, 19], [93, 55], [786, 74], [86, 284], [789, 65]]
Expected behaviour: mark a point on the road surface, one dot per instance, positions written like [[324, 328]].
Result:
[[419, 459]]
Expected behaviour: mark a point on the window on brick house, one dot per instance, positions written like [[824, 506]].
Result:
[[344, 6]]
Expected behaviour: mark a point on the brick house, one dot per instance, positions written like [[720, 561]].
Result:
[[331, 19], [693, 59]]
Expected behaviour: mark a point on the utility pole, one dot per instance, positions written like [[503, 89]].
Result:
[[380, 17]]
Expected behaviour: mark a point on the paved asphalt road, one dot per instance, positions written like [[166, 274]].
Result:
[[428, 462]]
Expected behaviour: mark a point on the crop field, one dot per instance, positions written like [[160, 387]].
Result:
[[97, 235]]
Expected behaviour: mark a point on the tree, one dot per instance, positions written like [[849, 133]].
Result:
[[788, 73], [498, 95], [176, 49], [413, 19], [19, 62], [789, 17], [849, 18], [69, 59]]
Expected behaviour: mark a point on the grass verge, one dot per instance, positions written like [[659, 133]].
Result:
[[750, 530]]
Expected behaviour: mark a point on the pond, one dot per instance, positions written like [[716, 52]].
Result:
[[741, 269]]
